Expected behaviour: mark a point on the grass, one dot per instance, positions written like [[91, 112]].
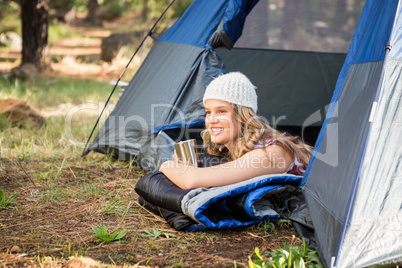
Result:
[[286, 257], [57, 31], [5, 202], [9, 17], [51, 91], [60, 196]]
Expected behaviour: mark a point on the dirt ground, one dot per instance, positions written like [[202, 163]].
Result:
[[52, 221], [44, 231]]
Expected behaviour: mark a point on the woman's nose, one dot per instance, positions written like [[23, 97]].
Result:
[[213, 118]]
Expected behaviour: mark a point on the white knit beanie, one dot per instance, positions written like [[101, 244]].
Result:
[[233, 87]]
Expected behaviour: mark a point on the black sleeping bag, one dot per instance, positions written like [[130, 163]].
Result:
[[259, 199]]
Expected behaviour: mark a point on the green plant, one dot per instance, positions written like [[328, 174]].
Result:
[[291, 256], [25, 150], [156, 233], [5, 203], [103, 236], [269, 227]]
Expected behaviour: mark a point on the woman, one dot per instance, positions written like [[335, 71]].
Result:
[[233, 130]]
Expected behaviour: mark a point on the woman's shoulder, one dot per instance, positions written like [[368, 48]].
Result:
[[264, 143]]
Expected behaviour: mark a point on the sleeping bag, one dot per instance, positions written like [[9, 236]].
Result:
[[255, 200]]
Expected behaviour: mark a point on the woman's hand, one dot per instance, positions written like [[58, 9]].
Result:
[[271, 160], [177, 173], [177, 160]]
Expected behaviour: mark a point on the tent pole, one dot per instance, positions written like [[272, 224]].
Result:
[[150, 33]]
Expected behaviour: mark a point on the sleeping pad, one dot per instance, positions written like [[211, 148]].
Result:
[[255, 200]]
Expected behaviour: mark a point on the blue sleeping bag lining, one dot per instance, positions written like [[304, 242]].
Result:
[[240, 204]]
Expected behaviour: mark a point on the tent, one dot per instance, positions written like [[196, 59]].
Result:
[[353, 183], [292, 52]]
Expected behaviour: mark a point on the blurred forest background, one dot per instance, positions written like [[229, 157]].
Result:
[[32, 31]]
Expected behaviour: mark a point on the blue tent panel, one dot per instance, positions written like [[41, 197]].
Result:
[[371, 36], [196, 26], [235, 17]]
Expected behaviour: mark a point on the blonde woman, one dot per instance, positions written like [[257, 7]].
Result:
[[233, 130]]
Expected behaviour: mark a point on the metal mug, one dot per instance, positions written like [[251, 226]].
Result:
[[187, 152]]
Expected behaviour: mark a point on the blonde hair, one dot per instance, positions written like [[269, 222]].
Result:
[[253, 129]]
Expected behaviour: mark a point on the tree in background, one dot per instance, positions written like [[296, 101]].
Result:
[[35, 24], [36, 16], [93, 8]]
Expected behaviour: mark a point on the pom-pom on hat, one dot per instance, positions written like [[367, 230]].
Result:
[[233, 87]]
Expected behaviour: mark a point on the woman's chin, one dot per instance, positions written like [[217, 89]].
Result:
[[218, 141]]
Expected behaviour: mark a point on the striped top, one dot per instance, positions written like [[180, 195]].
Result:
[[295, 168]]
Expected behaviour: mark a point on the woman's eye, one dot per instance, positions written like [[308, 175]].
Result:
[[222, 111], [208, 112]]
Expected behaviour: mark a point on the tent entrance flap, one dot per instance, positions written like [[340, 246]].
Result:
[[294, 88]]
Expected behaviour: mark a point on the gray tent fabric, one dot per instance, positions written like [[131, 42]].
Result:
[[127, 130], [381, 169], [353, 181], [341, 163], [313, 77]]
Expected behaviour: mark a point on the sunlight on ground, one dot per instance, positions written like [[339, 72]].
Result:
[[69, 67], [83, 113], [7, 66]]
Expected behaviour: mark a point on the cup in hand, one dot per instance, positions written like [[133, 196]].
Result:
[[187, 152]]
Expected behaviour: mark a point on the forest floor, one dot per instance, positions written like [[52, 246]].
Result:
[[60, 197]]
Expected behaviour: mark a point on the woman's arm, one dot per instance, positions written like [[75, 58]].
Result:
[[250, 165]]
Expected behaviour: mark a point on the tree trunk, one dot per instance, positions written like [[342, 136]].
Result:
[[35, 23], [291, 21], [145, 11], [340, 19], [93, 8]]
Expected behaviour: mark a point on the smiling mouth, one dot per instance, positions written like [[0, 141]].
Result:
[[216, 130]]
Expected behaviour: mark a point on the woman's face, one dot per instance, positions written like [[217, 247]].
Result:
[[220, 122]]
